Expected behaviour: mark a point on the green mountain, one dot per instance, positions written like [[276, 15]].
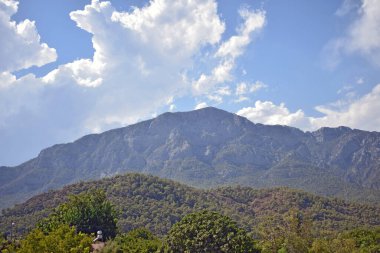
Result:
[[208, 148], [154, 203]]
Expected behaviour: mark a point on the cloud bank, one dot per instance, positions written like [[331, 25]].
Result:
[[362, 113]]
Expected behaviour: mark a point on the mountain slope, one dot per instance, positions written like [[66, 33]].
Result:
[[209, 147], [147, 201]]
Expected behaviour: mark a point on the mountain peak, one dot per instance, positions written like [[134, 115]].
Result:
[[328, 133], [208, 147]]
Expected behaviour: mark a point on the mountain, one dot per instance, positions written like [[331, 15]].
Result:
[[206, 148], [154, 203]]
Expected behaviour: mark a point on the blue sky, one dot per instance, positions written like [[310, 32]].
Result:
[[70, 68]]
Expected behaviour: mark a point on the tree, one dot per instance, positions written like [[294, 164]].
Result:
[[208, 231], [63, 239], [291, 233], [139, 240], [355, 241], [88, 212]]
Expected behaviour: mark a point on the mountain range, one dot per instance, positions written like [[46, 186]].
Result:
[[207, 148]]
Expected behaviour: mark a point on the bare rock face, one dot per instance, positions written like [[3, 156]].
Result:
[[206, 148]]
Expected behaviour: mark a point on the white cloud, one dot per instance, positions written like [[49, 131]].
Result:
[[140, 69], [217, 99], [219, 75], [258, 85], [241, 99], [179, 28], [362, 37], [235, 46], [227, 53], [21, 45], [84, 72], [6, 79], [267, 112], [361, 113], [139, 66], [172, 107], [244, 88], [18, 96], [170, 100], [224, 91], [241, 88], [200, 105]]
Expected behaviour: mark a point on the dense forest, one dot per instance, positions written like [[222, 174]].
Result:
[[269, 216]]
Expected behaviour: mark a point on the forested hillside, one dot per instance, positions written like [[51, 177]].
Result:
[[154, 203]]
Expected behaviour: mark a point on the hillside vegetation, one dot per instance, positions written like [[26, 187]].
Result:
[[157, 204]]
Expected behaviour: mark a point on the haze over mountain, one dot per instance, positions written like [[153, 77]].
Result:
[[209, 147]]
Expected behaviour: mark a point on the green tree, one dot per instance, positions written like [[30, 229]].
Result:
[[365, 240], [139, 240], [88, 212], [289, 233], [63, 239], [208, 231], [355, 241]]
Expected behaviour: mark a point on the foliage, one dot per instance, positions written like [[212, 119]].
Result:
[[355, 241], [7, 246], [157, 204], [88, 212], [139, 240], [63, 239], [208, 232], [290, 234]]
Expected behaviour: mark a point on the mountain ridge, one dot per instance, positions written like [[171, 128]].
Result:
[[209, 147]]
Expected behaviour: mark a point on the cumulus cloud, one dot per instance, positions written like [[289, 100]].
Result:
[[177, 28], [361, 113], [162, 38], [219, 75], [139, 70], [21, 45], [362, 37], [228, 51], [234, 46], [140, 62], [267, 112]]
